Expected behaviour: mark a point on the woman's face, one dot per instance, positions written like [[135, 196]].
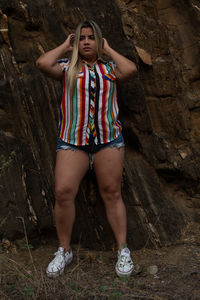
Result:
[[87, 44]]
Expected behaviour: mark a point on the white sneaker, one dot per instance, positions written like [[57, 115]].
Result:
[[57, 265], [124, 265]]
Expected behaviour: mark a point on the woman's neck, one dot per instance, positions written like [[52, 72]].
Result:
[[90, 61]]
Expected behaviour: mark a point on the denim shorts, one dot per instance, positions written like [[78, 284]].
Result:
[[92, 148]]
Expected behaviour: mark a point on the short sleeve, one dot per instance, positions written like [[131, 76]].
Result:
[[112, 64], [64, 64]]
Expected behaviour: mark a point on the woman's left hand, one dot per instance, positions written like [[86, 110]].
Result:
[[125, 68], [105, 46]]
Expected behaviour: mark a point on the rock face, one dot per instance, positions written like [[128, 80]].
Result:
[[160, 111]]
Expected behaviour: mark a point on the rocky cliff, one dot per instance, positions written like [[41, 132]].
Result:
[[159, 109]]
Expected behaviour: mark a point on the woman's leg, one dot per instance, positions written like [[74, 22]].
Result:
[[71, 167], [108, 166]]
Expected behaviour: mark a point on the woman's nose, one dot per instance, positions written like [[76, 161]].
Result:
[[86, 40]]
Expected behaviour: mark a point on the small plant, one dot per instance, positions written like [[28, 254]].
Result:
[[123, 279], [28, 292], [124, 246], [101, 258], [26, 246], [72, 285], [10, 287], [103, 288], [116, 295]]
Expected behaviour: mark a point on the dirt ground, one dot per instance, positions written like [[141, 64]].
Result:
[[171, 272]]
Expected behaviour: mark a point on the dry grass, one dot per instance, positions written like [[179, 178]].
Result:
[[91, 275]]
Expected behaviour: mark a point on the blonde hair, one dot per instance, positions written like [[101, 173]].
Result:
[[75, 63]]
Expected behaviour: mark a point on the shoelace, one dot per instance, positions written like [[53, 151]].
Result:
[[58, 257], [124, 259]]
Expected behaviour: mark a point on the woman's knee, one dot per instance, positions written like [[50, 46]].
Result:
[[64, 193], [111, 193]]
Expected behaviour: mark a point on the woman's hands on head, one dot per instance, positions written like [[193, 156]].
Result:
[[69, 42], [125, 68], [105, 46], [48, 62]]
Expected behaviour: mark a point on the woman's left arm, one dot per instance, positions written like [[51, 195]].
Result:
[[125, 68]]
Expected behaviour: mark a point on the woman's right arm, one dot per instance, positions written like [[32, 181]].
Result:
[[48, 62]]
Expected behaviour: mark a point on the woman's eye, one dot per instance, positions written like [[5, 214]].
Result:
[[91, 37]]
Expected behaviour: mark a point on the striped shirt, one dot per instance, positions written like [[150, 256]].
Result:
[[93, 107]]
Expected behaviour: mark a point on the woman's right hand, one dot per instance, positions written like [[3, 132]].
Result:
[[48, 62], [69, 42]]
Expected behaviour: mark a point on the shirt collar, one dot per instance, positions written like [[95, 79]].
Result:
[[99, 60]]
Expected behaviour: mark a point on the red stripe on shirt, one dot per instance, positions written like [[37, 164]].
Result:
[[112, 114], [71, 116], [104, 100], [82, 107]]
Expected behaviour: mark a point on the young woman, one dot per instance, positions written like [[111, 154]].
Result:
[[89, 134]]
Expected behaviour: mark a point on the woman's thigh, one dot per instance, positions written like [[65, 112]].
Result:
[[71, 167], [108, 166]]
